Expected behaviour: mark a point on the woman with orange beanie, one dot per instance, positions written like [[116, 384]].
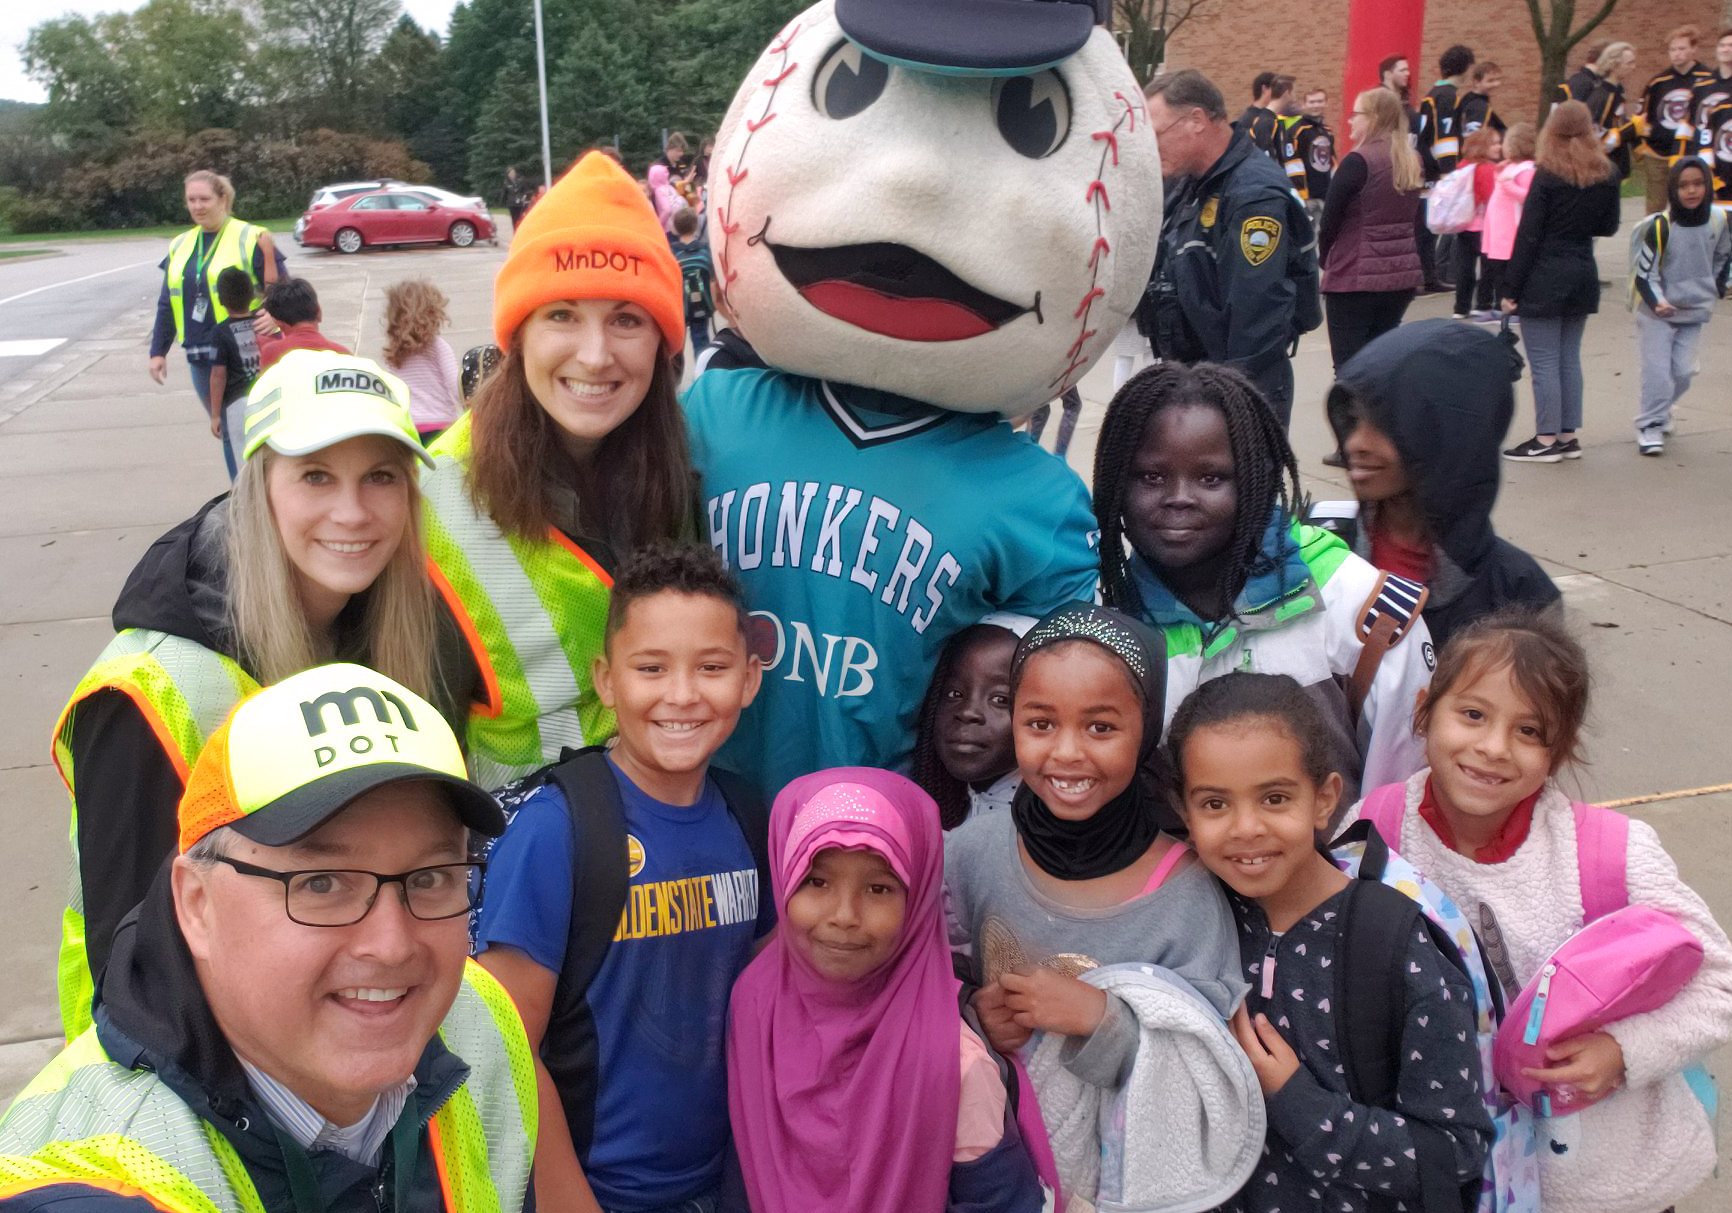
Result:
[[572, 455]]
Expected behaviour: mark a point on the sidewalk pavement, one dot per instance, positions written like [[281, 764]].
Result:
[[97, 462]]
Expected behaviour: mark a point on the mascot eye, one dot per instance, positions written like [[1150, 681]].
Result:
[[1032, 112], [848, 81]]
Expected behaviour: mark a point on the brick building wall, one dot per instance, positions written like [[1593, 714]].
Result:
[[1232, 40]]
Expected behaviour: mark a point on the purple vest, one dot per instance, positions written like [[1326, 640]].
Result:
[[1375, 250]]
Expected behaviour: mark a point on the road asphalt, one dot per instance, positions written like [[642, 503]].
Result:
[[96, 461]]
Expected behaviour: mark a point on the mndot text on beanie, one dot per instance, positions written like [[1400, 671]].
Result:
[[592, 236]]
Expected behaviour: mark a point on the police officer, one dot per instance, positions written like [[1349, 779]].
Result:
[[1236, 278]]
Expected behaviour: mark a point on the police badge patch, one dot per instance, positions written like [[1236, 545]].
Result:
[[1259, 238]]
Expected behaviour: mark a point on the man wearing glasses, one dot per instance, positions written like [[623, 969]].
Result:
[[288, 1021], [1235, 281]]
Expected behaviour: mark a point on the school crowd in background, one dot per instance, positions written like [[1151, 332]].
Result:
[[1132, 924]]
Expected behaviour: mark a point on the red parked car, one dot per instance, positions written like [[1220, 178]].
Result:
[[393, 216]]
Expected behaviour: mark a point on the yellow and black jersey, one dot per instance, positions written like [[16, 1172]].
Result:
[[1262, 127], [1713, 91], [1439, 140], [1308, 155], [1668, 108], [1714, 144]]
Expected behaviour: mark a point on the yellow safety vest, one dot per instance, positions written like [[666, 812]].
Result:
[[534, 611], [87, 1120], [235, 244], [184, 691]]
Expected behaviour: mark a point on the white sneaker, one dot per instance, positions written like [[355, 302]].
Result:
[[1651, 441]]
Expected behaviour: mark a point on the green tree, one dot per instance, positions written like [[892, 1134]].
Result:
[[1557, 35], [712, 44], [508, 133], [336, 41], [600, 90], [90, 92]]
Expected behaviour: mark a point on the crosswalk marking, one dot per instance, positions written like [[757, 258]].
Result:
[[29, 348]]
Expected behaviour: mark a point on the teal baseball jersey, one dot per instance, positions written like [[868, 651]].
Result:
[[866, 530]]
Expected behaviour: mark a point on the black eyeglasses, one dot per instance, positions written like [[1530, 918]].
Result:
[[341, 897]]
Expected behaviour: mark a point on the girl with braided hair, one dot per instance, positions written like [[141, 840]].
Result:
[[1197, 494]]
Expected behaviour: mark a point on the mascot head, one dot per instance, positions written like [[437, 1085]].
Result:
[[952, 200]]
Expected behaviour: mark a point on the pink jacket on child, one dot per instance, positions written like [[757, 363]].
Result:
[[1503, 213]]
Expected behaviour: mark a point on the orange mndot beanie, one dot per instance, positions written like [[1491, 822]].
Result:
[[592, 236]]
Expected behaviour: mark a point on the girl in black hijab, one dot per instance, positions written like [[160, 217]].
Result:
[[1079, 873]]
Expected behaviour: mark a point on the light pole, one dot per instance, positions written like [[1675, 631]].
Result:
[[541, 79]]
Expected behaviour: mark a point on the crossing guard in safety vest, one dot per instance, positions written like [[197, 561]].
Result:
[[136, 722], [289, 1021], [533, 601]]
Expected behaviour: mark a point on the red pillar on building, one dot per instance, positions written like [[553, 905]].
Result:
[[1376, 29]]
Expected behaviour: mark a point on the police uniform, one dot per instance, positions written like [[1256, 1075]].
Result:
[[1236, 280]]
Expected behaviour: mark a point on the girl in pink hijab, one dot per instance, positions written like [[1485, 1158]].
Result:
[[854, 1085], [663, 196]]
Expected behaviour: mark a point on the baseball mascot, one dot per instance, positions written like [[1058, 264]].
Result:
[[928, 216]]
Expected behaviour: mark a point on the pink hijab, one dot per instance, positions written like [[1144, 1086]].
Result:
[[844, 1097]]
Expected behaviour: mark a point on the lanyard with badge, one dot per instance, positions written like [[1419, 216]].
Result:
[[405, 1143], [201, 262]]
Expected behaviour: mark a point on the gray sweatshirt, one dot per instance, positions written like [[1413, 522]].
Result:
[[998, 919], [1685, 267]]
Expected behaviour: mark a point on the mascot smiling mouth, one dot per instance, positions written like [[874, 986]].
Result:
[[892, 290]]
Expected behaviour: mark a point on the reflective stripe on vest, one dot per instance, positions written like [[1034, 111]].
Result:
[[235, 246], [535, 615], [85, 1119], [184, 691]]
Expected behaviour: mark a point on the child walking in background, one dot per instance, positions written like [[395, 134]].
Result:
[[1257, 791], [964, 756], [415, 315], [237, 363], [1503, 212], [1680, 271], [854, 1083], [1481, 150], [1196, 490], [1488, 823], [697, 275]]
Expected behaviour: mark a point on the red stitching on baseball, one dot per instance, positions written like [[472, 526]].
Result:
[[734, 178], [773, 81], [1095, 292], [1097, 186], [1111, 141], [1076, 346], [1101, 246], [761, 123], [782, 44]]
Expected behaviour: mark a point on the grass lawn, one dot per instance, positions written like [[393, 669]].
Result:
[[285, 226], [18, 252]]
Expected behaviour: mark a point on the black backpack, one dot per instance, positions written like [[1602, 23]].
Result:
[[600, 883], [1371, 1012]]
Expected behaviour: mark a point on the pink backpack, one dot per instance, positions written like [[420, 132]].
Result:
[[1624, 961]]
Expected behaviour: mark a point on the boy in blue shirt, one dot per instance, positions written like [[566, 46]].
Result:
[[628, 892], [697, 275]]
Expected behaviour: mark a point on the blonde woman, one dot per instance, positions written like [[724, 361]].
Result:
[[1365, 242], [187, 309], [316, 556], [414, 317]]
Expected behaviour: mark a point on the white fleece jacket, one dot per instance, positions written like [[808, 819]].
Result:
[[1650, 1144]]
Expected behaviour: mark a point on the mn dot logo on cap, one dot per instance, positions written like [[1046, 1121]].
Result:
[[353, 379], [348, 711]]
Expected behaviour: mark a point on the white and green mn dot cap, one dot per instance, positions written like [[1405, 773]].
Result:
[[313, 399]]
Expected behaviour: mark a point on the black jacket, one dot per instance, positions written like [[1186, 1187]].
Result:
[[127, 785], [1236, 277], [151, 1014], [1551, 270], [1444, 392]]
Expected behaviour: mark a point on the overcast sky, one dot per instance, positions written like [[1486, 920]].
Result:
[[432, 14]]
